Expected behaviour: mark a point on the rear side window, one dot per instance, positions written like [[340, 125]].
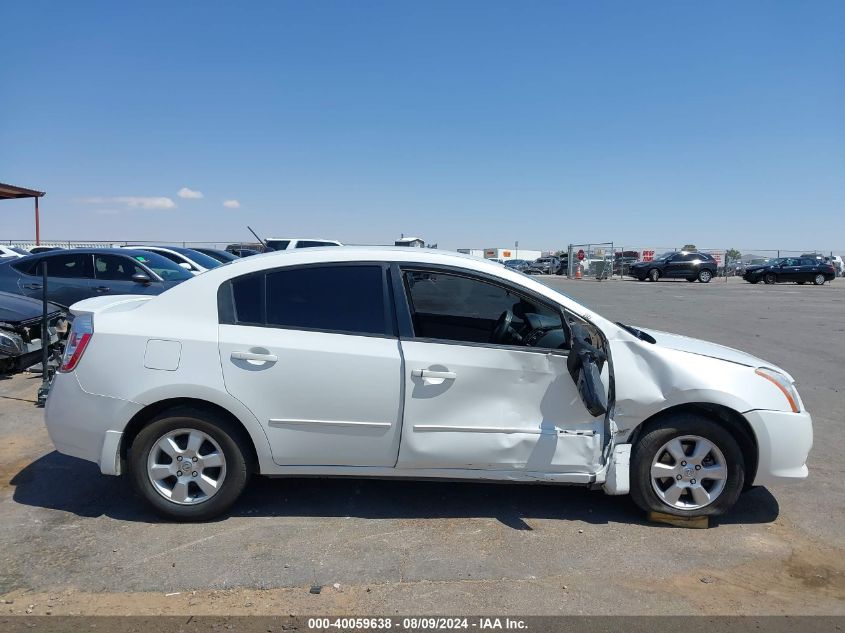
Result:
[[73, 266], [332, 298], [248, 297], [339, 298]]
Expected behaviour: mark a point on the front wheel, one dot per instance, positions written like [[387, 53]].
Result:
[[704, 276], [770, 278], [653, 274], [190, 464], [687, 465], [818, 280]]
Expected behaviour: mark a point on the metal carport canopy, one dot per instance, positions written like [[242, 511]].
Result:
[[10, 192]]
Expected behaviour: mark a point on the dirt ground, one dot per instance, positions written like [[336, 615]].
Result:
[[75, 542]]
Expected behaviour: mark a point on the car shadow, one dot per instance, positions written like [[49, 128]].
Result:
[[66, 484]]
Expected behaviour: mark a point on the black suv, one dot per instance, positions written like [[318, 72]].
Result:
[[689, 265]]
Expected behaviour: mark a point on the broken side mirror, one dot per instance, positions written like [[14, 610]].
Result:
[[585, 363]]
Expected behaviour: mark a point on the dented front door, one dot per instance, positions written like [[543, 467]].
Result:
[[494, 408]]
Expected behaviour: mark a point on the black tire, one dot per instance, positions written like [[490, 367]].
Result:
[[705, 275], [770, 278], [233, 442], [657, 434], [819, 280], [653, 274]]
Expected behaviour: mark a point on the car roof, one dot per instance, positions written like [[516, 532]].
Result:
[[90, 251]]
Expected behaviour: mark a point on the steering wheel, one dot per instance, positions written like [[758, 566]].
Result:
[[503, 327]]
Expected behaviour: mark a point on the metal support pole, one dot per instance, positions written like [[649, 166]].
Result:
[[37, 224], [45, 339]]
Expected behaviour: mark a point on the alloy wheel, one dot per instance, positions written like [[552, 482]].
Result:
[[186, 466], [688, 472]]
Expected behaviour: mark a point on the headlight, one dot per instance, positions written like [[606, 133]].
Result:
[[11, 343], [782, 383]]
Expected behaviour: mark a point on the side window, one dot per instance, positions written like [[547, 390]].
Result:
[[248, 297], [69, 266], [334, 298], [340, 298], [115, 267], [457, 308], [27, 266], [312, 243]]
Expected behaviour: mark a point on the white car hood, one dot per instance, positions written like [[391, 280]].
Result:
[[705, 348]]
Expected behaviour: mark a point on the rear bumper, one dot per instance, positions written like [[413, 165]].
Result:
[[784, 441], [87, 425]]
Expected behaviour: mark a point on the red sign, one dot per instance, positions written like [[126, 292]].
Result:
[[581, 255], [648, 256]]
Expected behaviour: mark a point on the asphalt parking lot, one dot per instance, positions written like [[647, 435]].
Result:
[[74, 541]]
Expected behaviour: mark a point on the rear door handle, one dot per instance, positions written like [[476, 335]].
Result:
[[264, 358], [33, 286], [432, 377], [102, 288]]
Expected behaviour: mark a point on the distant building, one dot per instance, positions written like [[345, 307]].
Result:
[[410, 241], [502, 254]]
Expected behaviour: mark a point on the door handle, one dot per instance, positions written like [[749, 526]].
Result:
[[263, 358], [433, 377], [33, 286], [102, 288]]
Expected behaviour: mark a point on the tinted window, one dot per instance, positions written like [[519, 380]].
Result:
[[343, 298], [69, 266], [116, 267], [248, 295], [278, 245], [312, 243], [451, 307]]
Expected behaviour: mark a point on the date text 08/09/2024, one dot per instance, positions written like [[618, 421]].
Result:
[[416, 623]]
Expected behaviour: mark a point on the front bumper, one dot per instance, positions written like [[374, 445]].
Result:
[[784, 441], [87, 425]]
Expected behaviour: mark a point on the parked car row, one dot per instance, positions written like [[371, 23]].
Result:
[[75, 274]]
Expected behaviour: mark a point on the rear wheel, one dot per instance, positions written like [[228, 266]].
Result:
[[770, 278], [818, 280], [687, 465], [653, 274], [704, 276], [190, 464]]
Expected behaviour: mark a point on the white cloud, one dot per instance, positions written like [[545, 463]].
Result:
[[184, 192], [134, 202], [231, 204]]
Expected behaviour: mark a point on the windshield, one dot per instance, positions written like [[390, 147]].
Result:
[[163, 267], [664, 257], [200, 258]]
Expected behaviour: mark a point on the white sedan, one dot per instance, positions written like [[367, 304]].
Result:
[[397, 362]]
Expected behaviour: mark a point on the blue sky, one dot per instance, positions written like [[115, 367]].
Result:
[[471, 124]]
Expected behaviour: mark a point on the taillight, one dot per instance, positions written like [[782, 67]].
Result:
[[80, 334]]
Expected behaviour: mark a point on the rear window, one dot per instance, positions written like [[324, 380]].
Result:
[[313, 243]]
